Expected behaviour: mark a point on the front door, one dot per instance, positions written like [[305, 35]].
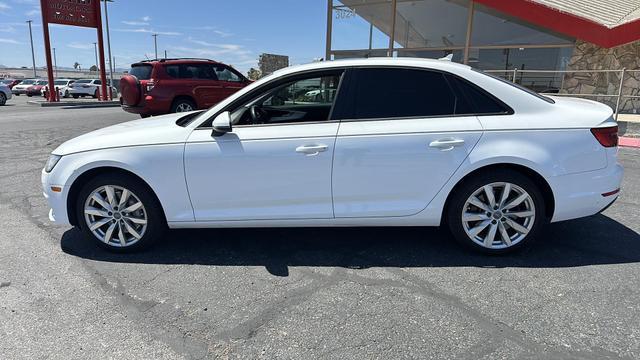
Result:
[[271, 165]]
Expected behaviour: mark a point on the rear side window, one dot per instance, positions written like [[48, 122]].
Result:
[[396, 93], [142, 72], [191, 71], [481, 103]]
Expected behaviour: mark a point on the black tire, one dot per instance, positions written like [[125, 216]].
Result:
[[181, 102], [156, 223], [75, 96], [3, 99], [458, 199], [96, 94]]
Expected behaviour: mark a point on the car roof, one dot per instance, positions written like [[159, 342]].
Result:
[[176, 61], [382, 62]]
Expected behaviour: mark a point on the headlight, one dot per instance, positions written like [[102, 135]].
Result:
[[51, 163]]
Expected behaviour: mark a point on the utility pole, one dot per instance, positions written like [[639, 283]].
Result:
[[33, 54], [155, 43], [95, 46], [111, 66], [165, 54], [55, 62]]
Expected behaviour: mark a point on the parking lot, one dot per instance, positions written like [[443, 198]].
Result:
[[293, 293]]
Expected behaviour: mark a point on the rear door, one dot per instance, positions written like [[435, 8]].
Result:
[[405, 135]]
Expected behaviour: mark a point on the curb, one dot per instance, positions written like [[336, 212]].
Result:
[[75, 104], [629, 142]]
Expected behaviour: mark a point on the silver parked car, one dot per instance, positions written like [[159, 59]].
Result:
[[5, 94]]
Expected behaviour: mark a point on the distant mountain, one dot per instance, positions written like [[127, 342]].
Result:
[[3, 67]]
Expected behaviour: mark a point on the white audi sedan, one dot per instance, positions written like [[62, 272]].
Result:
[[387, 142]]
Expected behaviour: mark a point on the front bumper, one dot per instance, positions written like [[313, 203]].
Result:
[[19, 91], [580, 195], [57, 200]]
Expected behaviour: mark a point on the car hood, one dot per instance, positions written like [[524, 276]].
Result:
[[151, 131]]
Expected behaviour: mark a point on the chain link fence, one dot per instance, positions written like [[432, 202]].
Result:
[[620, 89]]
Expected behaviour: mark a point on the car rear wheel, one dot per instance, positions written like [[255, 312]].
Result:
[[119, 213], [182, 105], [75, 96], [95, 94], [3, 99], [496, 212]]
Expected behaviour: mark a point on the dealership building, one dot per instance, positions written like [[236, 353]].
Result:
[[578, 47]]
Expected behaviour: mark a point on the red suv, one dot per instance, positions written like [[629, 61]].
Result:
[[164, 86]]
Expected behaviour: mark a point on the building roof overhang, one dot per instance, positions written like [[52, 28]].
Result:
[[592, 21]]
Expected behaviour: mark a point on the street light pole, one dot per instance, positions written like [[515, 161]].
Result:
[[155, 43], [33, 54], [95, 46], [111, 66], [55, 62]]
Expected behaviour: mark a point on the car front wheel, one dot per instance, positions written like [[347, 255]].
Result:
[[3, 99], [496, 212], [120, 213]]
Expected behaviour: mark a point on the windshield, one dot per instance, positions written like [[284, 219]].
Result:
[[60, 82], [28, 82], [83, 81], [6, 81], [142, 72], [42, 82]]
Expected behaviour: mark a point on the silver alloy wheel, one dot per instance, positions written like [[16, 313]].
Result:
[[498, 215], [183, 107], [115, 216]]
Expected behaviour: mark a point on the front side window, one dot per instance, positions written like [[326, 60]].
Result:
[[303, 100], [398, 93], [226, 74]]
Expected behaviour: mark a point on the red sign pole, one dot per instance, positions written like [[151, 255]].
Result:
[[103, 75], [85, 13], [47, 49]]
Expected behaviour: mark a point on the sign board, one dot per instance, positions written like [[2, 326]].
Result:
[[72, 12]]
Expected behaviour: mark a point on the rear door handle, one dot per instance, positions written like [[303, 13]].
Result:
[[312, 150], [446, 144]]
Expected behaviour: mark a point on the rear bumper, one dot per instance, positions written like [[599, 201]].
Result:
[[580, 195], [148, 106]]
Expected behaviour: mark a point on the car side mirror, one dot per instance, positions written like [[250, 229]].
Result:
[[222, 124]]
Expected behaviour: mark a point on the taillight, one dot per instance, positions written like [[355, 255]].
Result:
[[150, 84], [606, 136]]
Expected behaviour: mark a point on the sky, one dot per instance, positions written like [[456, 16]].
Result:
[[235, 32]]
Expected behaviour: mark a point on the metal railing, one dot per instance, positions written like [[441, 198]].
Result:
[[552, 82]]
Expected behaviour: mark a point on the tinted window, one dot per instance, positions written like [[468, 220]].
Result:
[[97, 82], [392, 93], [480, 101], [191, 71], [226, 74], [142, 72], [83, 81]]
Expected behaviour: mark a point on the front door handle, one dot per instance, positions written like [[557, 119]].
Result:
[[446, 144], [312, 150]]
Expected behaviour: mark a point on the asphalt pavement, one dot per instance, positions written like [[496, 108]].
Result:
[[351, 293]]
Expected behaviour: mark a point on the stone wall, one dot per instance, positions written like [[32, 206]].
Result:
[[587, 56]]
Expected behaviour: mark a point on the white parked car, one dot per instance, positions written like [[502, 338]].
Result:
[[21, 88], [62, 85], [5, 94], [403, 142], [88, 87]]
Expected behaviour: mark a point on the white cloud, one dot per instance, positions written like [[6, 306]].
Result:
[[9, 41], [146, 18], [80, 46], [223, 33], [135, 23], [4, 7], [149, 31], [7, 28]]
